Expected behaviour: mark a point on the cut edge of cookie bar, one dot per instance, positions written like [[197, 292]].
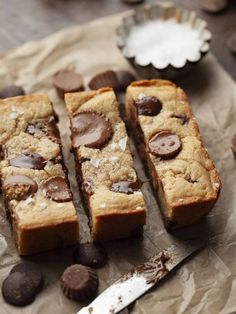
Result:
[[182, 208], [112, 215], [48, 225]]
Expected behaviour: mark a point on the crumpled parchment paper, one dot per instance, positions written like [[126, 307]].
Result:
[[206, 283]]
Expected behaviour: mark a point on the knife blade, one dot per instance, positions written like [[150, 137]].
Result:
[[142, 278]]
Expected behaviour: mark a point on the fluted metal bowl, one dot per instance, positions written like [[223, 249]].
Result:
[[162, 12]]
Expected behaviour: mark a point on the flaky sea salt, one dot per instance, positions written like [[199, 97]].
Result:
[[28, 200], [113, 158], [141, 96], [13, 115], [103, 205], [43, 205], [60, 205], [163, 42], [113, 146], [95, 162], [122, 143]]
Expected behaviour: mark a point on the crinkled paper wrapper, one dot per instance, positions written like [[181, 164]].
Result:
[[204, 284]]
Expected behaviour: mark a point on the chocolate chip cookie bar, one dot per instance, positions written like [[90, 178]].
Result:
[[34, 179], [166, 132], [104, 165]]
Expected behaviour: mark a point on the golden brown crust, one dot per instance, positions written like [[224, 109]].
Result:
[[99, 168], [187, 185]]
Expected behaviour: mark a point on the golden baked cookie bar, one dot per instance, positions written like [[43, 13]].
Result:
[[34, 179], [167, 135], [104, 164]]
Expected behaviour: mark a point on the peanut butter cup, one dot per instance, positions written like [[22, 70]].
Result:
[[66, 81], [11, 91], [56, 188], [90, 129], [90, 254], [104, 79], [148, 106], [165, 144], [79, 282], [19, 187], [28, 160]]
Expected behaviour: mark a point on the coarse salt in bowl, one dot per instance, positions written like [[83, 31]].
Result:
[[163, 40]]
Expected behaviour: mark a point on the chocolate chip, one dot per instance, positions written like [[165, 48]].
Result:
[[11, 91], [125, 78], [90, 254], [183, 119], [28, 160], [133, 1], [32, 271], [213, 6], [18, 289], [66, 81], [127, 187], [19, 187], [56, 188], [79, 282], [104, 79], [231, 43], [90, 129], [165, 144], [148, 106]]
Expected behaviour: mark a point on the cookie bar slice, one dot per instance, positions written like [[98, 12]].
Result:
[[184, 177], [104, 165], [34, 180]]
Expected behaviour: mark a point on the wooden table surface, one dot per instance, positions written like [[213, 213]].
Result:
[[25, 20]]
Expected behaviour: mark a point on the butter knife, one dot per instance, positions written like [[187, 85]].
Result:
[[142, 278]]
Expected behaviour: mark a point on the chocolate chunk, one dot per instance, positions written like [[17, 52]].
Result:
[[11, 91], [56, 188], [79, 282], [90, 254], [19, 187], [18, 289], [231, 43], [32, 271], [125, 78], [233, 145], [133, 1], [52, 131], [165, 144], [90, 129], [66, 81], [127, 187], [213, 6], [28, 160], [148, 106], [104, 79]]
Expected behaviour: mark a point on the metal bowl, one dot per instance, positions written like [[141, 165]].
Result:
[[162, 11]]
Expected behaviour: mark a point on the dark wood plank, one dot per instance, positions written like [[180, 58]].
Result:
[[21, 21]]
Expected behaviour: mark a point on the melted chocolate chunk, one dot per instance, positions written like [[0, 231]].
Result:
[[148, 106], [154, 269], [125, 78], [18, 289], [32, 271], [184, 119], [90, 254], [66, 81], [19, 187], [79, 282], [90, 129], [28, 160], [52, 131], [11, 91], [104, 79], [165, 144], [57, 189], [127, 187]]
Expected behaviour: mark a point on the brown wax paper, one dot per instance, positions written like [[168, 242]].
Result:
[[204, 284]]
